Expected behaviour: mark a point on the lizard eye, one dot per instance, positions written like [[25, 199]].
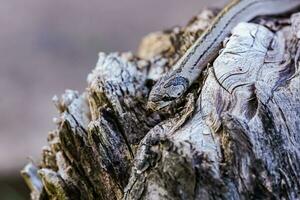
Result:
[[176, 91]]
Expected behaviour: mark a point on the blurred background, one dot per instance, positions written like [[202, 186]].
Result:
[[51, 45]]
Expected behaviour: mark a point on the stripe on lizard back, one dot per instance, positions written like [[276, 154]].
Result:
[[206, 47]]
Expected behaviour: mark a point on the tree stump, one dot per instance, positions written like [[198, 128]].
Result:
[[235, 135]]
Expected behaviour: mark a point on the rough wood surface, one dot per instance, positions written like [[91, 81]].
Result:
[[235, 135]]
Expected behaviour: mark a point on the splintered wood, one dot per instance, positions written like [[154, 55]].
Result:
[[235, 135]]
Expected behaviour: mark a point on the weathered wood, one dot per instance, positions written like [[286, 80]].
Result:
[[235, 135]]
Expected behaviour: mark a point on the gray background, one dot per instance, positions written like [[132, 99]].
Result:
[[47, 46]]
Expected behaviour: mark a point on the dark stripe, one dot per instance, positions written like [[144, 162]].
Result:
[[179, 80]]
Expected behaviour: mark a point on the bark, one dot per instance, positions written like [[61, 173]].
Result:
[[235, 135]]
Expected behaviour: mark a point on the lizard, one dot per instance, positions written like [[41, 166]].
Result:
[[188, 68]]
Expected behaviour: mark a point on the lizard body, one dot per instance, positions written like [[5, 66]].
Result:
[[189, 67]]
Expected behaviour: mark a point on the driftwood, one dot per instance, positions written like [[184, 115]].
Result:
[[235, 135]]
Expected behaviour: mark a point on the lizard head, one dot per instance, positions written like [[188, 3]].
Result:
[[167, 89]]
